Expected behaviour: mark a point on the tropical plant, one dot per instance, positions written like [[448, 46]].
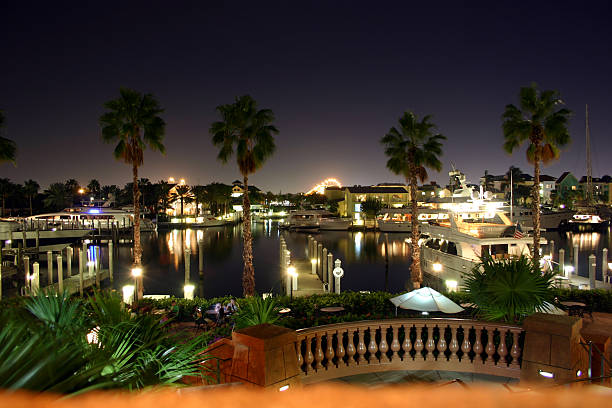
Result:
[[542, 123], [8, 148], [133, 122], [510, 289], [371, 207], [256, 310], [162, 195], [247, 133], [182, 194], [30, 189], [56, 196], [410, 149], [6, 189], [94, 187]]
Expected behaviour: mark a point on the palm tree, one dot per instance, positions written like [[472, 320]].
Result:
[[182, 194], [6, 189], [133, 122], [199, 195], [57, 196], [30, 188], [411, 148], [543, 125], [94, 188], [248, 133], [162, 192], [8, 148]]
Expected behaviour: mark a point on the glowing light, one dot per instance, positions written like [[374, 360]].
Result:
[[128, 294], [81, 191], [188, 290], [171, 180], [569, 269], [8, 242], [284, 388], [291, 271], [182, 182], [546, 374], [437, 267], [451, 285], [92, 336], [93, 211], [320, 188], [136, 272], [313, 261], [578, 373]]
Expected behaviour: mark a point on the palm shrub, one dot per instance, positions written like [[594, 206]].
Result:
[[508, 290], [256, 310]]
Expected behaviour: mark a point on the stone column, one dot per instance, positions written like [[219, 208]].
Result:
[[552, 348]]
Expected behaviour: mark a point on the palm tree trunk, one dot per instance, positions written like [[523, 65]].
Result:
[[536, 212], [181, 205], [137, 248], [248, 274], [415, 268]]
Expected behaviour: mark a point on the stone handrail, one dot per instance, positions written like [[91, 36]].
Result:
[[345, 349]]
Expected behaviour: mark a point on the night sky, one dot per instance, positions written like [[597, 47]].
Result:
[[337, 75]]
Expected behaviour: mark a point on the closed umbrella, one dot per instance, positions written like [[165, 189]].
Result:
[[426, 300]]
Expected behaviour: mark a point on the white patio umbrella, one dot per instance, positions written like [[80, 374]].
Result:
[[552, 309], [425, 300]]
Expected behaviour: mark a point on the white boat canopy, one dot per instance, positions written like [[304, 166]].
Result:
[[426, 300]]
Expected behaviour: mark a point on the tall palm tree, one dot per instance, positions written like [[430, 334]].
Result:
[[542, 123], [249, 134], [411, 148], [8, 148], [162, 195], [133, 122], [199, 196], [30, 188], [94, 187]]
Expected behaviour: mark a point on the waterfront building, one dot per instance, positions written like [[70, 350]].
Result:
[[601, 188], [566, 184], [391, 196]]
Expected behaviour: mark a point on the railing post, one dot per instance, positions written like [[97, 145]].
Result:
[[490, 349], [340, 352], [502, 349], [318, 355], [383, 347], [466, 347], [418, 343], [361, 347], [515, 352], [454, 344], [372, 346], [395, 345], [407, 345], [329, 350], [350, 347], [478, 345], [309, 356], [430, 346]]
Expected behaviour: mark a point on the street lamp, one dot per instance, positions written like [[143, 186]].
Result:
[[137, 275], [293, 273]]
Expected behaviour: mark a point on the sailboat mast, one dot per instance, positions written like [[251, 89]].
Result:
[[589, 192]]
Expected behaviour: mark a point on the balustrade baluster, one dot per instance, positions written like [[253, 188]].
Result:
[[502, 350], [465, 345], [516, 350], [318, 355], [418, 343], [340, 352], [478, 345], [350, 347], [441, 343], [395, 346], [298, 351], [407, 345], [361, 347], [329, 352], [372, 346], [430, 346], [490, 349], [309, 355], [384, 346], [454, 344]]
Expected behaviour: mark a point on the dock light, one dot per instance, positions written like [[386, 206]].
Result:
[[437, 266], [569, 269], [284, 388], [451, 285], [136, 272], [546, 374], [128, 294], [579, 373], [610, 266], [8, 242], [291, 271], [188, 290]]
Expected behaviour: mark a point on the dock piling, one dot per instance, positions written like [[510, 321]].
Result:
[[187, 264], [50, 268], [324, 266], [330, 270], [82, 258], [110, 260], [35, 279], [69, 260], [562, 263], [575, 259], [60, 274], [592, 266]]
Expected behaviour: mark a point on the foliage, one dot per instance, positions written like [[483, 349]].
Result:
[[8, 148], [44, 346], [508, 290], [256, 310], [56, 196], [371, 207]]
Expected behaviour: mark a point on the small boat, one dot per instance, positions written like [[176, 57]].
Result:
[[306, 220]]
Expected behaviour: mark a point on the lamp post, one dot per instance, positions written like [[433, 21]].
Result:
[[137, 275], [293, 274]]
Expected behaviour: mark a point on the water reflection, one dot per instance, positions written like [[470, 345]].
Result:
[[371, 260]]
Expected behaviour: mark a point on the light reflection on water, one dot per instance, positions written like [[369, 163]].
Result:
[[371, 260]]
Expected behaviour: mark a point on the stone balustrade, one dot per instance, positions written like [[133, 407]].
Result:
[[345, 349]]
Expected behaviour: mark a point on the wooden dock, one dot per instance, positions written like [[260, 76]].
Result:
[[308, 284]]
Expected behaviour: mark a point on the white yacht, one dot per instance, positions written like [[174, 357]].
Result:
[[335, 224], [454, 247], [549, 220], [305, 220], [87, 217]]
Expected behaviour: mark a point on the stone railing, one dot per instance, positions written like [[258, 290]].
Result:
[[346, 349]]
